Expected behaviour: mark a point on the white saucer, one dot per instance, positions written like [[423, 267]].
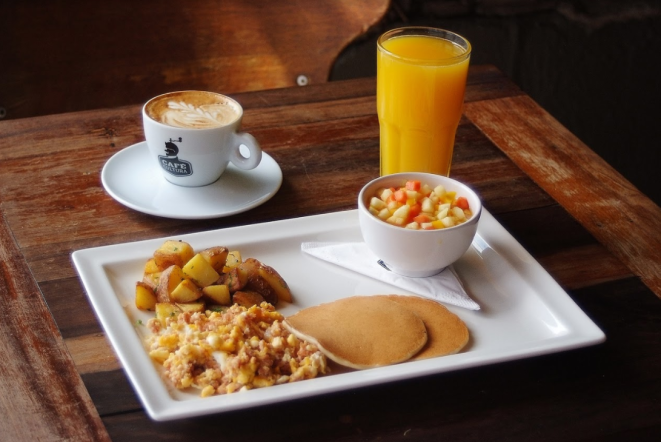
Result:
[[132, 178]]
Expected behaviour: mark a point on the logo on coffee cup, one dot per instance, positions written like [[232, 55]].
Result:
[[171, 163]]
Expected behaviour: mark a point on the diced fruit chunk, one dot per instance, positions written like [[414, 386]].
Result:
[[404, 206]]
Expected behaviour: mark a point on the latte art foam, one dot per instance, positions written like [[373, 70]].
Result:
[[193, 110], [181, 114]]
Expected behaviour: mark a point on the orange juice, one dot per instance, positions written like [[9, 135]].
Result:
[[421, 79]]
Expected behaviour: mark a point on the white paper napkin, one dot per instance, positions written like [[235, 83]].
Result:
[[356, 256]]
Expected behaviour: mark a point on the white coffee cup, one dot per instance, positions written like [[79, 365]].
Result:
[[193, 135]]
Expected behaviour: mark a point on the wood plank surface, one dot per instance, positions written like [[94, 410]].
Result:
[[75, 55], [38, 378], [611, 208], [326, 137]]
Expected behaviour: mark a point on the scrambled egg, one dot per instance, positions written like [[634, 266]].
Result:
[[233, 350]]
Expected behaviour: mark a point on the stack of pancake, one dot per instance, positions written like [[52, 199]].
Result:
[[372, 331]]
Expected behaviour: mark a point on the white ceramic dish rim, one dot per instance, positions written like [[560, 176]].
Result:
[[524, 298]]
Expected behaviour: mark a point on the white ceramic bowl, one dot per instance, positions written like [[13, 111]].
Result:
[[417, 253]]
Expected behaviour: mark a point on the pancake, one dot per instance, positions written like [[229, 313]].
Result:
[[446, 332], [361, 331]]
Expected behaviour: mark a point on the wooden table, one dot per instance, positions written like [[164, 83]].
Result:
[[589, 227]]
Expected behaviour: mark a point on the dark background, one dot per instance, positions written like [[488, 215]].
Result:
[[594, 65]]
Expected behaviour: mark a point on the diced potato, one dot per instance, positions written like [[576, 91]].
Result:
[[151, 279], [216, 256], [235, 280], [151, 267], [277, 283], [200, 271], [145, 297], [233, 260], [248, 298], [168, 281], [173, 252], [185, 292], [251, 269], [218, 294], [166, 310], [193, 307]]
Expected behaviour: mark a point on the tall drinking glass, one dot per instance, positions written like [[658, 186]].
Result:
[[421, 79]]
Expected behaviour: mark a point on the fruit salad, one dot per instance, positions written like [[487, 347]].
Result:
[[418, 206]]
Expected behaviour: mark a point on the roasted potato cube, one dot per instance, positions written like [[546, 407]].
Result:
[[151, 279], [233, 260], [218, 294], [277, 283], [255, 282], [151, 267], [216, 256], [193, 307], [185, 292], [173, 252], [234, 279], [166, 310], [200, 271], [151, 273], [168, 281], [145, 297], [247, 298]]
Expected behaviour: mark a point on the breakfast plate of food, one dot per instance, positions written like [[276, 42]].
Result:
[[241, 317], [132, 178]]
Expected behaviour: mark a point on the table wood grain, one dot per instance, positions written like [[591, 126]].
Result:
[[591, 229]]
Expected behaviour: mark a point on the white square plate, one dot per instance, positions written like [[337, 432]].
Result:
[[524, 312]]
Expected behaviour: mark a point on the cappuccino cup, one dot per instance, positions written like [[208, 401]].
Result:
[[194, 135]]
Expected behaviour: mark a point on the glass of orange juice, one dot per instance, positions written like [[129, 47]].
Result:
[[421, 79]]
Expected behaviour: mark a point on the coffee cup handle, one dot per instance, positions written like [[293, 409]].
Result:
[[237, 158]]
